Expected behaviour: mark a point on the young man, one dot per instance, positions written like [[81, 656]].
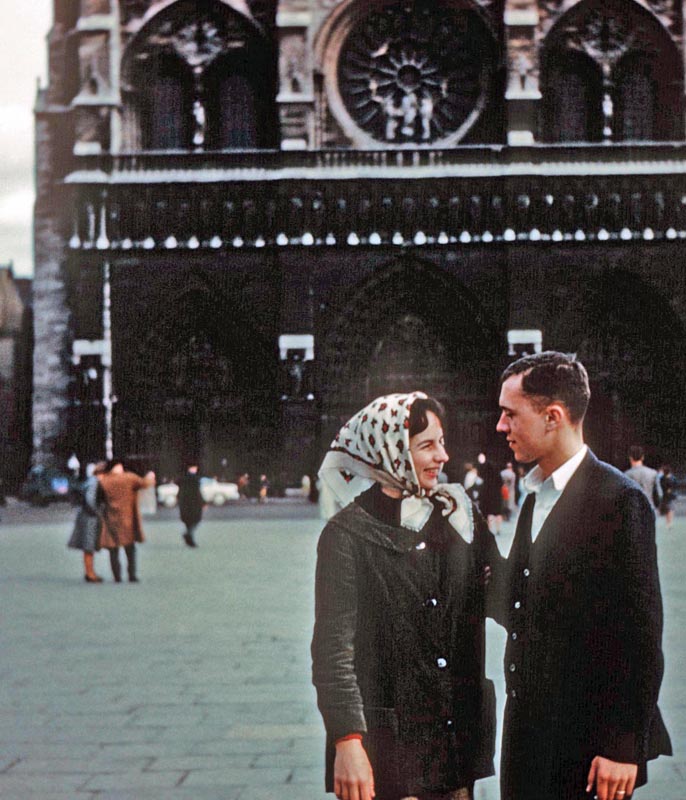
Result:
[[583, 662]]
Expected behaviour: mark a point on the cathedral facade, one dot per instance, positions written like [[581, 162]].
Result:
[[253, 217]]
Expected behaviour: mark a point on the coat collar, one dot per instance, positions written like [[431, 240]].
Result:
[[357, 522]]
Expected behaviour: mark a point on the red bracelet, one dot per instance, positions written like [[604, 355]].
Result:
[[349, 738]]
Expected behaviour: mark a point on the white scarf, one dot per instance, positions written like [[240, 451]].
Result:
[[374, 447]]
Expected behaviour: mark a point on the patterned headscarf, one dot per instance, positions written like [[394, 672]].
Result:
[[374, 447]]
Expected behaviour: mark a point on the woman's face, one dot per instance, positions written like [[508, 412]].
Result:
[[428, 452]]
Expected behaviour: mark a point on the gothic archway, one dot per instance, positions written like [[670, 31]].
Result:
[[200, 382], [610, 71], [411, 326], [410, 73], [631, 343], [199, 75]]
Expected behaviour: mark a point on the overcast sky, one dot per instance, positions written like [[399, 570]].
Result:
[[25, 24]]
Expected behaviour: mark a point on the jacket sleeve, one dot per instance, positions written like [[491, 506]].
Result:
[[635, 628], [489, 555], [333, 644]]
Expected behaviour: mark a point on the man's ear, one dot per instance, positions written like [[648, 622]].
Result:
[[555, 414]]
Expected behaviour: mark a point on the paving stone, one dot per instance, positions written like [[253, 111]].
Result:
[[236, 776], [314, 791], [134, 780], [74, 766], [190, 763]]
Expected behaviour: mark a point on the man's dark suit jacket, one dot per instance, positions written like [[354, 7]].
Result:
[[583, 662]]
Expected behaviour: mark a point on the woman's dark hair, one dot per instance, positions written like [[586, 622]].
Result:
[[419, 421]]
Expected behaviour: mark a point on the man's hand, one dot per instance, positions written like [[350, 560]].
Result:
[[612, 780], [352, 773]]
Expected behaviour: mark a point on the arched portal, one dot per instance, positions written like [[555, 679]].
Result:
[[610, 71], [412, 326], [630, 341], [198, 381]]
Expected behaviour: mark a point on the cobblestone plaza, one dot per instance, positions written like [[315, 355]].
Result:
[[195, 683]]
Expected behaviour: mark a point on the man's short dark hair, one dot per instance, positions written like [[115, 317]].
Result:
[[553, 377], [636, 453]]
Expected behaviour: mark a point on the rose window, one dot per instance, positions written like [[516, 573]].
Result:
[[416, 73]]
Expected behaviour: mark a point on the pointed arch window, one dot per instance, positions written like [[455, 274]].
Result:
[[635, 100], [166, 105], [611, 72], [573, 93], [199, 75], [233, 105]]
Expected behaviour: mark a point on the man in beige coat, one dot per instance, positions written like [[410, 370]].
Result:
[[122, 522]]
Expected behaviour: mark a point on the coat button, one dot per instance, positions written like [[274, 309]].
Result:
[[517, 604], [450, 724], [526, 573], [513, 693], [514, 636], [431, 602], [420, 546], [513, 667], [441, 663]]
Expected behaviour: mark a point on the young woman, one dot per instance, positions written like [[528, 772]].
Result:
[[398, 647], [88, 523]]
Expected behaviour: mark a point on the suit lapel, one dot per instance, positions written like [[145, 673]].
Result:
[[568, 513]]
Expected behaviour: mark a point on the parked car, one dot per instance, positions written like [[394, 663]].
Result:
[[168, 494], [218, 492], [45, 485], [214, 492]]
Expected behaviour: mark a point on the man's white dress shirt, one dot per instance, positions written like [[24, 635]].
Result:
[[549, 491]]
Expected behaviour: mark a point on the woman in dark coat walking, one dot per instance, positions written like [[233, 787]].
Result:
[[88, 522], [398, 646], [191, 503]]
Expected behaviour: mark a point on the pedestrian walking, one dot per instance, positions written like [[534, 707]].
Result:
[[264, 489], [88, 523], [472, 482], [583, 660], [243, 485], [191, 503], [509, 491], [645, 477], [398, 646], [490, 493], [122, 521], [669, 494]]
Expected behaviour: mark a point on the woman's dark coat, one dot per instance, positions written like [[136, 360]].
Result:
[[88, 522], [398, 651], [190, 499]]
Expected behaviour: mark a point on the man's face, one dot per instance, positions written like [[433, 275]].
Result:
[[523, 423]]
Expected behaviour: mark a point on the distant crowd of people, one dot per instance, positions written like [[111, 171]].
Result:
[[111, 499], [499, 494]]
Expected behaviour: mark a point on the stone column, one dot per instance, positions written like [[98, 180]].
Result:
[[523, 94], [295, 99], [51, 370]]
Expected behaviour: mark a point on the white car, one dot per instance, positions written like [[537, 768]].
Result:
[[168, 494], [218, 493]]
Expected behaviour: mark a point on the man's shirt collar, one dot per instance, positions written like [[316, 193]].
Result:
[[534, 480]]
